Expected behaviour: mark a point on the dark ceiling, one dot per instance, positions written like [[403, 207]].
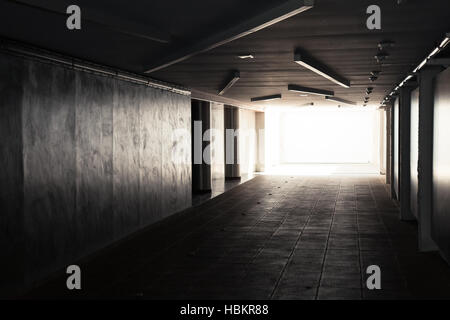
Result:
[[333, 32]]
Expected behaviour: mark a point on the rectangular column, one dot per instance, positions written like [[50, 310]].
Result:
[[232, 168], [388, 145], [201, 156], [405, 153], [393, 150]]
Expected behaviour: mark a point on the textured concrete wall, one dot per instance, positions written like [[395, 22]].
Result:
[[11, 177], [217, 141], [99, 161], [440, 219], [414, 150]]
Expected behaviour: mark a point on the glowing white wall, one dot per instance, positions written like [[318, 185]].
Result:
[[322, 135]]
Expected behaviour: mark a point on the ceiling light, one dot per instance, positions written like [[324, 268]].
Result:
[[335, 99], [445, 41], [266, 98], [246, 56], [433, 53], [381, 56], [236, 75], [420, 66], [385, 44], [321, 70], [300, 89]]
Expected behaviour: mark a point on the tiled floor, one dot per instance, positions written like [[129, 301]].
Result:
[[219, 186], [274, 237]]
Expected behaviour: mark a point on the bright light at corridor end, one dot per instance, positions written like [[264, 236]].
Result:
[[327, 138]]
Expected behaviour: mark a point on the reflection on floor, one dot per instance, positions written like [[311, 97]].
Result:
[[323, 169], [219, 186], [274, 237]]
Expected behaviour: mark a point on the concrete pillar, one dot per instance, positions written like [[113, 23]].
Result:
[[232, 168], [392, 148], [388, 145], [425, 162], [405, 152], [382, 141], [201, 156]]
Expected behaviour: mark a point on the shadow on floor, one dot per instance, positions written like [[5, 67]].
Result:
[[273, 237]]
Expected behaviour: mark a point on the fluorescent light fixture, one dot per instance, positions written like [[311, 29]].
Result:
[[321, 70], [236, 75], [424, 62], [300, 89], [340, 100], [445, 41], [433, 53], [408, 77], [266, 98], [385, 44], [246, 56]]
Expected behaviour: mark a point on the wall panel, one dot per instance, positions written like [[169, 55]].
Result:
[[94, 160], [414, 149], [89, 160], [440, 219], [396, 149], [48, 124], [11, 178]]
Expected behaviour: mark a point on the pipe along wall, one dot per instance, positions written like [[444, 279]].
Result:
[[86, 160]]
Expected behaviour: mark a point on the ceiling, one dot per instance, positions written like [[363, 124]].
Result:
[[332, 32]]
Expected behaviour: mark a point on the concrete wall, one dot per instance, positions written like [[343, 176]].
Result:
[[11, 177], [396, 149], [440, 228], [217, 141], [414, 150], [247, 141], [382, 141], [87, 160]]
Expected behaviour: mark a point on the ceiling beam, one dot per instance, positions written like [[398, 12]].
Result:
[[99, 18], [249, 26]]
